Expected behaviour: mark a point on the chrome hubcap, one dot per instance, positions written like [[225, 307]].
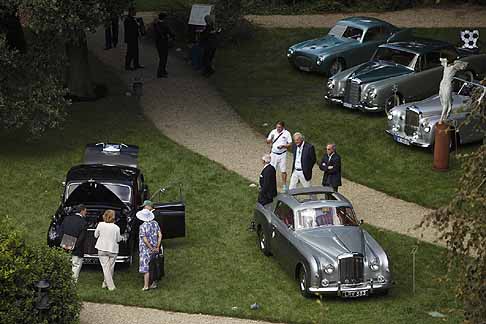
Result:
[[262, 241]]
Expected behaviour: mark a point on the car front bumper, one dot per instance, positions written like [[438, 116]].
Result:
[[402, 138], [93, 259], [361, 106], [356, 290]]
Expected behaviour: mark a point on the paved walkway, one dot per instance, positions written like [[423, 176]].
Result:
[[466, 16]]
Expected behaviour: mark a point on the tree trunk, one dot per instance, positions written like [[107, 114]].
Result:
[[78, 76]]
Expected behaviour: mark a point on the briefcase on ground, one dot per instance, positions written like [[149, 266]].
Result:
[[156, 267]]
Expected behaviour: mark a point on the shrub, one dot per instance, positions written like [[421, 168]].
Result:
[[21, 266]]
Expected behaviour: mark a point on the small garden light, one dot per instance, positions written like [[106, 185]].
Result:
[[42, 302]]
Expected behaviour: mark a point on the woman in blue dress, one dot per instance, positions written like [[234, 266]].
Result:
[[150, 238]]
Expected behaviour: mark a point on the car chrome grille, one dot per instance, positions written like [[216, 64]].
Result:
[[411, 122], [303, 61], [351, 269], [352, 92]]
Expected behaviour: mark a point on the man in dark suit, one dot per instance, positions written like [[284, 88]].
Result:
[[331, 165], [268, 182], [131, 38], [75, 225], [111, 31], [162, 35], [304, 160]]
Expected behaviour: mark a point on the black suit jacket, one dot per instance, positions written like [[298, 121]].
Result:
[[75, 225], [308, 159], [268, 185], [162, 32], [131, 30], [332, 176]]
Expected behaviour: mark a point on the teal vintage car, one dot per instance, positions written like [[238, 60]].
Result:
[[398, 73], [350, 42]]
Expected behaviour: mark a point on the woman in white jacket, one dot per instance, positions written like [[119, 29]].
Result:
[[108, 234]]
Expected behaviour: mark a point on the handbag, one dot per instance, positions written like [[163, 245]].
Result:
[[156, 267]]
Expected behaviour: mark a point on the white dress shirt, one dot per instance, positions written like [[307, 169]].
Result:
[[298, 157]]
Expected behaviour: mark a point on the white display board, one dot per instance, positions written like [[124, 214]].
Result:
[[198, 12]]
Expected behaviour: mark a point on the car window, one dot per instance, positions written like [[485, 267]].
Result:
[[325, 216], [285, 213], [346, 32], [376, 34], [394, 55], [432, 60], [311, 196], [123, 192]]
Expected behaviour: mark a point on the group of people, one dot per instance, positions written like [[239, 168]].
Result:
[[162, 34], [304, 158], [108, 238]]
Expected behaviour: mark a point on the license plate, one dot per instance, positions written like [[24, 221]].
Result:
[[401, 140], [354, 294], [347, 105], [304, 68]]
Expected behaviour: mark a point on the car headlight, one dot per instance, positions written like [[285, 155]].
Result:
[[331, 84], [320, 59], [329, 269], [290, 52], [375, 265], [371, 94]]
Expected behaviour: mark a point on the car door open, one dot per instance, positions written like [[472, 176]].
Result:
[[171, 216]]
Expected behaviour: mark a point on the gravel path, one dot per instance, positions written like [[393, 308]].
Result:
[[188, 110], [466, 16]]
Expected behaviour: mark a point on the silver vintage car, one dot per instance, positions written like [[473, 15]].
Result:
[[313, 232], [398, 73], [414, 123]]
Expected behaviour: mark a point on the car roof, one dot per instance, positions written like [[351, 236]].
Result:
[[112, 154], [419, 46], [290, 198], [363, 22], [101, 172]]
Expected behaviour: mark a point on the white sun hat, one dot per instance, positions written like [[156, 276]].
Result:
[[145, 215]]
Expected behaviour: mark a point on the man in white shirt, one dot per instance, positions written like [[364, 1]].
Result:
[[281, 141], [304, 160]]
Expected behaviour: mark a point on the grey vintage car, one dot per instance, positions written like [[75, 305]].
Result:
[[313, 232], [414, 123], [350, 42], [398, 73]]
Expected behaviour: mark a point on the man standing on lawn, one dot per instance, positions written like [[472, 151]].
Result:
[[281, 141], [268, 182], [131, 38], [331, 165], [304, 160]]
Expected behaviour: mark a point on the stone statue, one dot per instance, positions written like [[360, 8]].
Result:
[[445, 90]]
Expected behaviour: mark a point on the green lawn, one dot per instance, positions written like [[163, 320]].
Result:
[[256, 78], [217, 266]]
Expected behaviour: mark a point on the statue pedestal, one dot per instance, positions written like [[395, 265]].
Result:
[[441, 147]]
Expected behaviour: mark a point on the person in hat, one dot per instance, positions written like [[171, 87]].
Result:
[[150, 237]]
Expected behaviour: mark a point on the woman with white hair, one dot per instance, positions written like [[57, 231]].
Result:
[[268, 181], [150, 237]]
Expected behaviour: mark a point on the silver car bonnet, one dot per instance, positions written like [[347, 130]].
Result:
[[333, 241]]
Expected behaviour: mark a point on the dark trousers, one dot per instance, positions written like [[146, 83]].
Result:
[[111, 34], [132, 55], [208, 56], [163, 50]]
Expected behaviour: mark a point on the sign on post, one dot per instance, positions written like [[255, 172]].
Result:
[[198, 12]]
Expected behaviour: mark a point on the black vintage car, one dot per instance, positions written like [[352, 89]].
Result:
[[109, 178]]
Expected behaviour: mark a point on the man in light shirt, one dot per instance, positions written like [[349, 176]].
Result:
[[304, 160], [281, 141]]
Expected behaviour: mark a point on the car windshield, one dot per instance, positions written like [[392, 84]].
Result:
[[345, 31], [396, 56], [325, 216], [123, 192]]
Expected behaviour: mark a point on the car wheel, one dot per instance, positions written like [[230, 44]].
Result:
[[303, 282], [336, 66], [381, 292], [263, 242], [392, 101]]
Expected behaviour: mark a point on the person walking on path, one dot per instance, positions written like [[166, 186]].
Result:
[[111, 31], [331, 165], [162, 35], [108, 235], [150, 237], [76, 226], [268, 181], [208, 42], [304, 160], [131, 38], [281, 141]]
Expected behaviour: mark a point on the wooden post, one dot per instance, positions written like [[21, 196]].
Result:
[[441, 147]]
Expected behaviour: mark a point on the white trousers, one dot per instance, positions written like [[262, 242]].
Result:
[[77, 263], [298, 176], [279, 161], [107, 261]]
